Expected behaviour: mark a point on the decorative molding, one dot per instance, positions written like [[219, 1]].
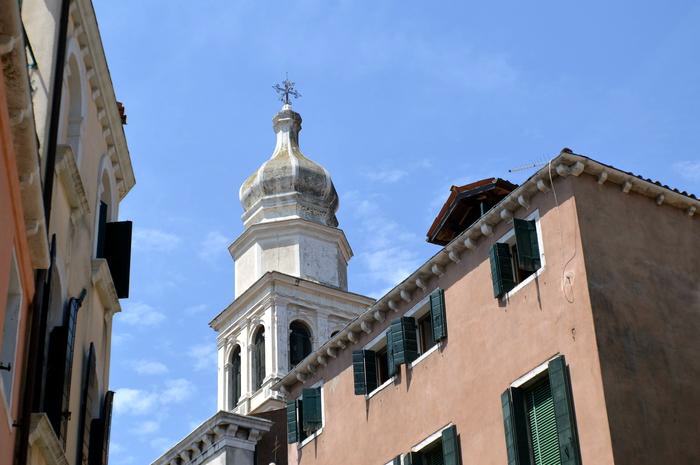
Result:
[[421, 284], [626, 187], [392, 305], [405, 295], [469, 243], [505, 216], [660, 199], [602, 177], [366, 327], [102, 280], [68, 173], [523, 202], [379, 316], [486, 229], [542, 186], [454, 256], [437, 270], [43, 438]]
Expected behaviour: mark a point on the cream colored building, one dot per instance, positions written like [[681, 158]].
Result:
[[67, 380]]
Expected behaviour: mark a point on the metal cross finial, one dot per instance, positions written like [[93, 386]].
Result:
[[286, 90]]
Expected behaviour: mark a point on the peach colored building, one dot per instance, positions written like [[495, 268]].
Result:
[[23, 244], [559, 327]]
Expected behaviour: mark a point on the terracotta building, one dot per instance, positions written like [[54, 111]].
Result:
[[64, 255], [558, 325]]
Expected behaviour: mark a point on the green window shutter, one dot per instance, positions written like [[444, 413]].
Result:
[[364, 367], [404, 340], [509, 426], [437, 314], [501, 269], [292, 424], [390, 363], [312, 417], [450, 446], [563, 410], [413, 458], [528, 247], [542, 424]]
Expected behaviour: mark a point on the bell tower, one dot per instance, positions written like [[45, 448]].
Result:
[[290, 273]]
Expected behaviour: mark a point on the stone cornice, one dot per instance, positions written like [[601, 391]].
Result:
[[261, 231], [221, 430], [23, 131], [102, 280], [67, 171], [102, 91], [416, 286], [43, 437], [274, 280]]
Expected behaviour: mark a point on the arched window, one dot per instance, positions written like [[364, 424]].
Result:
[[235, 376], [299, 342], [258, 358]]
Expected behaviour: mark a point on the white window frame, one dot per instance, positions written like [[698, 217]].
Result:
[[323, 418], [506, 238], [378, 342], [18, 291], [430, 440], [421, 309], [534, 374]]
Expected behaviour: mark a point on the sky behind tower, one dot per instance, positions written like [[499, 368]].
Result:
[[400, 101]]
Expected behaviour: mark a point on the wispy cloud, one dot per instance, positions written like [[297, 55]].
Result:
[[146, 427], [388, 176], [688, 169], [203, 355], [129, 401], [154, 240], [141, 314], [213, 247], [149, 367], [161, 444], [196, 309]]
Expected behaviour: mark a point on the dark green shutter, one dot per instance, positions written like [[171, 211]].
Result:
[[563, 410], [509, 426], [312, 417], [292, 424], [542, 426], [414, 458], [364, 367], [515, 425], [117, 250], [528, 248], [501, 269], [437, 314], [450, 446], [390, 363], [404, 340]]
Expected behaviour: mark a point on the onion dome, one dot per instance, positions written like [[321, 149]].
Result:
[[289, 185]]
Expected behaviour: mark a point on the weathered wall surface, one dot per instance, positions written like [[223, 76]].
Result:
[[490, 344], [643, 264], [271, 448]]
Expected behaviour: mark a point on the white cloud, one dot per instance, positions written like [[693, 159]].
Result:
[[149, 367], [203, 355], [213, 247], [161, 444], [196, 309], [387, 176], [147, 427], [134, 401], [177, 390], [141, 314], [688, 169], [119, 339], [155, 240]]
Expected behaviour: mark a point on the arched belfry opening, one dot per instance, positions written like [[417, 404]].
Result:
[[258, 358], [299, 342], [235, 376]]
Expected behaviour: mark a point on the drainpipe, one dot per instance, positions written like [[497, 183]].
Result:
[[37, 332]]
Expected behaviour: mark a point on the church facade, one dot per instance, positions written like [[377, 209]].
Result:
[[290, 297]]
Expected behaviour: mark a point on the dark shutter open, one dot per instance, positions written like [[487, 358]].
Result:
[[364, 367], [117, 251], [99, 433], [501, 269], [404, 340], [312, 417], [390, 363], [450, 446], [563, 410], [437, 314], [87, 397], [528, 247], [509, 426], [292, 423], [101, 226]]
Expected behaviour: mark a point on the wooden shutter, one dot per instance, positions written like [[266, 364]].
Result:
[[100, 432], [501, 269], [390, 363], [450, 446], [101, 225], [364, 367], [117, 251], [564, 412], [292, 423], [404, 340], [88, 394], [312, 417], [542, 426], [509, 426], [528, 247], [514, 422], [437, 314]]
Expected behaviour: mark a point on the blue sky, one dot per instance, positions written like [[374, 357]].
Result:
[[401, 99]]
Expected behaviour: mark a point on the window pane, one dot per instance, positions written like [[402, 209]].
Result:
[[425, 334]]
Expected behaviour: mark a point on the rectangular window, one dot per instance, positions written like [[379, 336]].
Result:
[[8, 350], [538, 419], [440, 449], [516, 256], [305, 416]]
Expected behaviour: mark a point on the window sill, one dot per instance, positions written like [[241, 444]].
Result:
[[424, 355], [386, 383], [310, 438], [522, 284]]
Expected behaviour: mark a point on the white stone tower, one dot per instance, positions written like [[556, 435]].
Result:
[[291, 275]]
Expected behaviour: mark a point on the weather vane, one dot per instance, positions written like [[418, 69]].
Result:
[[286, 90]]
